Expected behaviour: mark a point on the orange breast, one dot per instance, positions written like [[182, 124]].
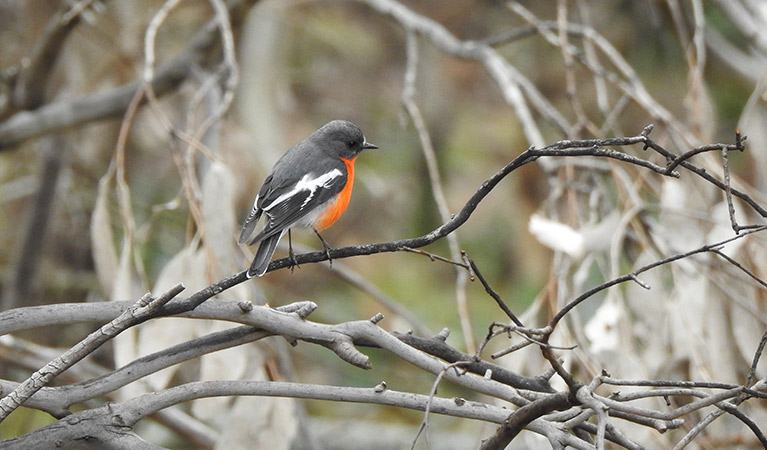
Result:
[[338, 206]]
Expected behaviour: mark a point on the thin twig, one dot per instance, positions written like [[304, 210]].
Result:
[[434, 256], [424, 428], [757, 355], [706, 248], [740, 266], [677, 161], [728, 191], [649, 143], [494, 295]]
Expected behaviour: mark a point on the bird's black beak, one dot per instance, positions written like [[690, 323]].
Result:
[[366, 145]]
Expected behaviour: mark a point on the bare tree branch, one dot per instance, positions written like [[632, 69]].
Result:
[[118, 417], [516, 422], [142, 310], [71, 113]]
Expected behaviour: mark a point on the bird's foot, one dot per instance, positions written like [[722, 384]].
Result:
[[291, 254], [325, 246]]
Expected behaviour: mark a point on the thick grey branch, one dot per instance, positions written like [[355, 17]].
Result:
[[145, 307], [101, 424]]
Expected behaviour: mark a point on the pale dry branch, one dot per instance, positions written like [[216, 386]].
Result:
[[58, 400], [105, 423], [143, 309]]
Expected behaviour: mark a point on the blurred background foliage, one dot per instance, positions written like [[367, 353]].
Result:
[[302, 64]]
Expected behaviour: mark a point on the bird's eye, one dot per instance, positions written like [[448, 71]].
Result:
[[350, 144]]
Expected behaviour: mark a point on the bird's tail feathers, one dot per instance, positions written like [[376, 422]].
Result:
[[264, 255]]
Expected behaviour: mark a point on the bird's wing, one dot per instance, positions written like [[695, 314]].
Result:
[[249, 226], [285, 205]]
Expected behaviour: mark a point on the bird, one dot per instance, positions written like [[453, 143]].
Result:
[[309, 186]]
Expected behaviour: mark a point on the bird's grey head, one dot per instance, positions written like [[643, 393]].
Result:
[[342, 138]]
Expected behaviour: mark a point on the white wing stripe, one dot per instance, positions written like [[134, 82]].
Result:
[[306, 184], [255, 206]]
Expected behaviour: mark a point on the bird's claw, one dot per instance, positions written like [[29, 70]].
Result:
[[325, 246]]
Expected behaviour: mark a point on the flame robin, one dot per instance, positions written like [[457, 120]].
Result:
[[310, 186]]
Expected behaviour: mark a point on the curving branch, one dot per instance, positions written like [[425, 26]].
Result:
[[114, 422], [565, 148]]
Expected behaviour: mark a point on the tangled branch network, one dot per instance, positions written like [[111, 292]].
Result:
[[560, 415]]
